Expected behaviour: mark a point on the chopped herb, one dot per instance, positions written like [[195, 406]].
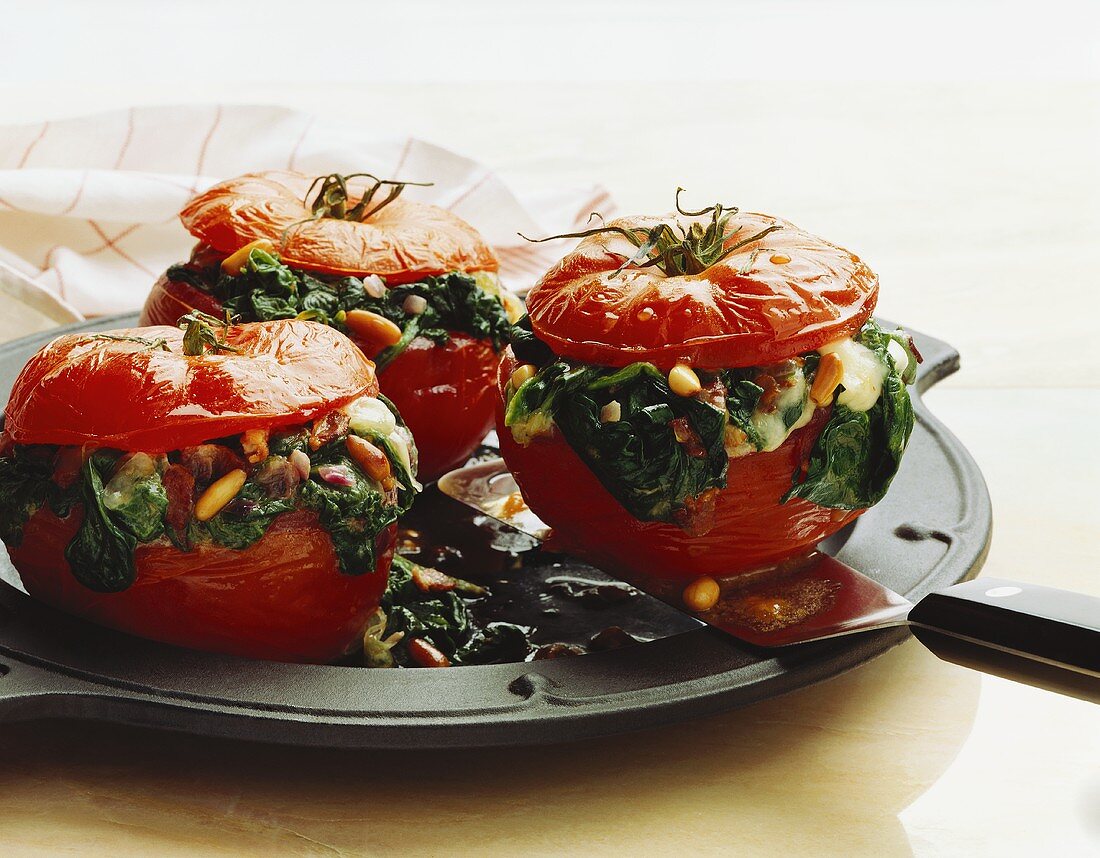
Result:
[[203, 333]]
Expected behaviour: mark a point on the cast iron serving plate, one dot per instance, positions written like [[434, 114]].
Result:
[[932, 530]]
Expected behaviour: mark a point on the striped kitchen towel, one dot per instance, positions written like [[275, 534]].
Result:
[[88, 205]]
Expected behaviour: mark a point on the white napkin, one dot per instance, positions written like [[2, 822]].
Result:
[[88, 206]]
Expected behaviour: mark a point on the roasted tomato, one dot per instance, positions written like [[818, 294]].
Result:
[[692, 389], [211, 500], [770, 299], [442, 388]]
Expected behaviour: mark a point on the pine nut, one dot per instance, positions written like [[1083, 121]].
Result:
[[683, 380], [780, 259], [301, 463], [219, 494], [414, 305], [830, 370], [233, 263], [378, 331], [374, 286], [369, 458], [523, 372], [702, 594]]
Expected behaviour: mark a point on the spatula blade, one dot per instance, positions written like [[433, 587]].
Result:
[[808, 599]]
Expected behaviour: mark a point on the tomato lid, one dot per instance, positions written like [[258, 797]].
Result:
[[109, 391], [402, 241], [782, 294]]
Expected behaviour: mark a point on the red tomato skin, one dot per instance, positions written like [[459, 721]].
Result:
[[170, 299], [750, 309], [83, 389], [445, 393], [752, 528], [403, 242], [280, 599]]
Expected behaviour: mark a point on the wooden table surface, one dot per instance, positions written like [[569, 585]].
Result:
[[979, 206]]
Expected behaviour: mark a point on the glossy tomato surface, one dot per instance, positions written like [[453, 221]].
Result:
[[751, 529], [446, 394], [281, 599], [404, 242], [787, 293], [118, 390]]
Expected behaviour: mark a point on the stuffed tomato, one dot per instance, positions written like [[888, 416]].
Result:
[[702, 394], [228, 488], [412, 284]]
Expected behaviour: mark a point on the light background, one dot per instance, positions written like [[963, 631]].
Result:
[[953, 145]]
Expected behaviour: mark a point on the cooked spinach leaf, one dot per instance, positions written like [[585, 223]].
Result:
[[858, 452], [266, 289], [354, 515], [24, 486], [742, 397], [101, 555], [495, 643], [246, 518], [527, 347], [444, 619], [637, 457]]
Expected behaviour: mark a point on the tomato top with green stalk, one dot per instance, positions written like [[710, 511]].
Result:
[[715, 288]]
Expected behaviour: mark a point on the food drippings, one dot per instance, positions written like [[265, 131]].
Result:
[[775, 604]]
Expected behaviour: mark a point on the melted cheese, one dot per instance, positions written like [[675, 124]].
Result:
[[367, 414], [864, 373], [771, 426]]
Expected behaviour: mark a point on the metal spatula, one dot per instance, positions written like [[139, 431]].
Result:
[[1039, 635]]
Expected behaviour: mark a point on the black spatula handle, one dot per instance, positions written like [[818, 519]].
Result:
[[1038, 635]]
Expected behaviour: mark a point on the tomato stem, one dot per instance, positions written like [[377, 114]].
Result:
[[674, 248]]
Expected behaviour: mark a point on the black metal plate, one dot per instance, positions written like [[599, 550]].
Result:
[[932, 530]]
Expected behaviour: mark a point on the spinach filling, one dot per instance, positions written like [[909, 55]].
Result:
[[637, 457], [660, 454], [352, 507], [858, 453], [444, 620], [25, 485], [267, 289]]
